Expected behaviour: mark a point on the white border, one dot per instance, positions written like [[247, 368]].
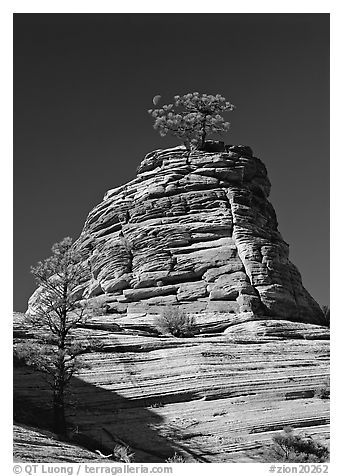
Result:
[[336, 211]]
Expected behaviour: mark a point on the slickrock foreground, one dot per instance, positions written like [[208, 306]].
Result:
[[211, 398], [36, 446]]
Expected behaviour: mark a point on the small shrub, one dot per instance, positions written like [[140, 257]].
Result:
[[288, 447], [19, 357], [97, 310], [176, 458], [323, 392], [220, 413], [123, 454], [176, 322], [156, 405]]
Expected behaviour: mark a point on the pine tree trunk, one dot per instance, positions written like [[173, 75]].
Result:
[[59, 384], [59, 412]]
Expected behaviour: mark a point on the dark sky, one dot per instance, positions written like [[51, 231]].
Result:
[[83, 84]]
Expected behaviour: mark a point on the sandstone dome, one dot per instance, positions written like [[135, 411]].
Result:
[[194, 229]]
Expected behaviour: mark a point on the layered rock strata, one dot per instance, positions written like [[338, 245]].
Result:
[[212, 398], [38, 446], [194, 230]]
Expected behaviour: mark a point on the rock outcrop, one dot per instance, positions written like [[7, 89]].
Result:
[[194, 230]]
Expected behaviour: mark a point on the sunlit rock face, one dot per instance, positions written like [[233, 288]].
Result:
[[194, 229]]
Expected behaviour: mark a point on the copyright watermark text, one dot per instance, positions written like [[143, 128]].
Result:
[[83, 469]]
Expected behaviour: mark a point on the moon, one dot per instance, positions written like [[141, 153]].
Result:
[[156, 99]]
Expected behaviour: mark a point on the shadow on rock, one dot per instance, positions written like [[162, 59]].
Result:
[[98, 419]]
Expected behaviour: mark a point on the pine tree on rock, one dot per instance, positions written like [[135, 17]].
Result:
[[56, 313], [192, 117]]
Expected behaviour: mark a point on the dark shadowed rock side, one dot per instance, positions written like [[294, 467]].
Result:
[[195, 230]]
